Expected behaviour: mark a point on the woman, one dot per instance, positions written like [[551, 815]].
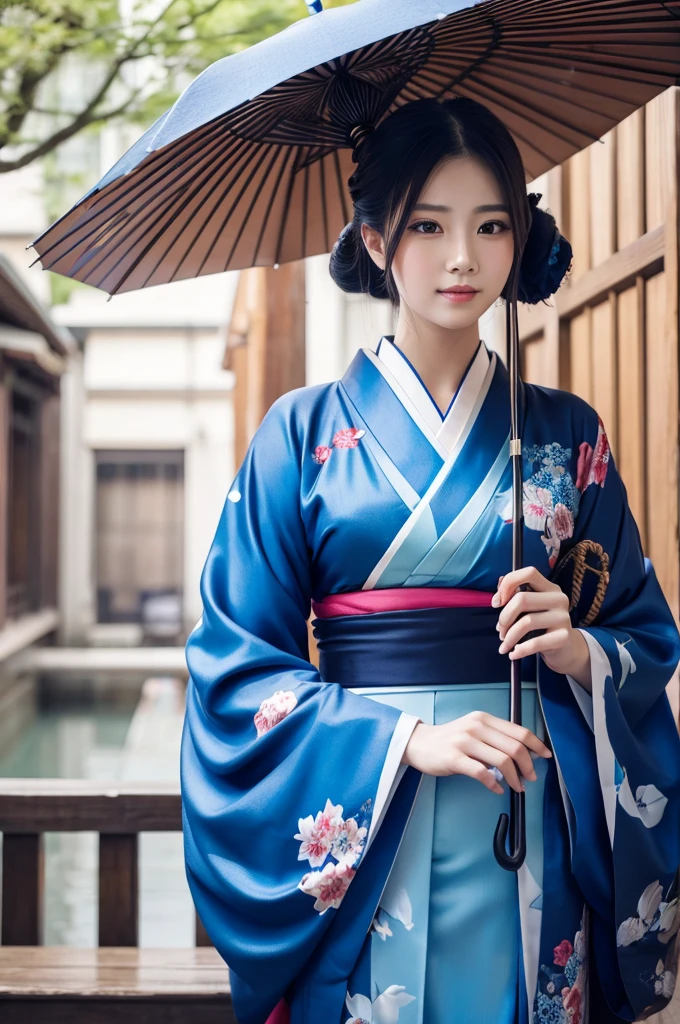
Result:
[[339, 823]]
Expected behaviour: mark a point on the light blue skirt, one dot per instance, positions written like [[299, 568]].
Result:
[[452, 928]]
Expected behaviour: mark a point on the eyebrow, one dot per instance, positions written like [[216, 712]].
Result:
[[488, 208]]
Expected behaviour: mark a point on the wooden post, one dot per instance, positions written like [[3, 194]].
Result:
[[118, 890], [22, 889]]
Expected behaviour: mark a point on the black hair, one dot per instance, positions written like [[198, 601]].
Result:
[[394, 163]]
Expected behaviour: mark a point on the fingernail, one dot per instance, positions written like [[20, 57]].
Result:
[[495, 600]]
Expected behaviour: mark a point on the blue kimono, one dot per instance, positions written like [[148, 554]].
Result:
[[341, 885]]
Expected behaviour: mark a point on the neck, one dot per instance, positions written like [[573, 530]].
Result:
[[439, 354]]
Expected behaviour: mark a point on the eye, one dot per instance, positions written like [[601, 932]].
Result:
[[424, 223], [493, 227]]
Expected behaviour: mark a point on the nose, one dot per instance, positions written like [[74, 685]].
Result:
[[462, 258]]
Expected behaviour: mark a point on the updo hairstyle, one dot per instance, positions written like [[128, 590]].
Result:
[[394, 163]]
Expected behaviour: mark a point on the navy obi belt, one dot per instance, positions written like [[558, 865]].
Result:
[[411, 636]]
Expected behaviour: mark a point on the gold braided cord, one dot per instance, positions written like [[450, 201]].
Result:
[[578, 555]]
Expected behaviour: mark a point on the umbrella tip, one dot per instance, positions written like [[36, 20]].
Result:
[[276, 266], [314, 6]]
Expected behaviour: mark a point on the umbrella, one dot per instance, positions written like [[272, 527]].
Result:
[[250, 165]]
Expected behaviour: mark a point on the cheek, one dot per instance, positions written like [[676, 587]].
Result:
[[414, 265]]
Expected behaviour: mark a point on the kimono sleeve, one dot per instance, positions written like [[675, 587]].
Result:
[[625, 833], [284, 777]]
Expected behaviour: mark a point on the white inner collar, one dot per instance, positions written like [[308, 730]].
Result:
[[441, 431]]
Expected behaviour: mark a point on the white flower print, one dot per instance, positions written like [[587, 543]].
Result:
[[329, 885], [668, 923], [664, 982], [648, 904], [348, 843], [318, 834], [383, 1010], [381, 925], [538, 506], [633, 928], [648, 804], [273, 710]]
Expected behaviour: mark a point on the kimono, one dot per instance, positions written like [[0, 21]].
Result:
[[340, 884]]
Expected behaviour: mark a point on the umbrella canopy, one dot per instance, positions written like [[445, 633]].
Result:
[[250, 165]]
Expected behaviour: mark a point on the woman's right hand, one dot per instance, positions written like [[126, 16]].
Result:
[[470, 745]]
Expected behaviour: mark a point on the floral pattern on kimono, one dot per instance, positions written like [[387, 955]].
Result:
[[657, 922], [335, 845], [561, 996]]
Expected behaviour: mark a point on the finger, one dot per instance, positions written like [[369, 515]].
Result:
[[513, 748], [529, 601], [551, 641], [490, 755], [475, 770], [509, 584], [532, 620], [521, 733]]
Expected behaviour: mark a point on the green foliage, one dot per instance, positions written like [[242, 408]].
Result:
[[137, 61]]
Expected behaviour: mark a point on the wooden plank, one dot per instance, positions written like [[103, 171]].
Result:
[[118, 890], [75, 805], [22, 890], [4, 495], [645, 256], [660, 154], [581, 377], [662, 441], [604, 366], [630, 179], [113, 971], [578, 202], [631, 420], [603, 199], [72, 1010]]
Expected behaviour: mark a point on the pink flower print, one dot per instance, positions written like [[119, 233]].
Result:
[[585, 458], [273, 710], [538, 506], [593, 463], [321, 454], [562, 952], [329, 886], [347, 438], [563, 521], [349, 842], [571, 1001], [600, 463], [318, 834], [551, 542]]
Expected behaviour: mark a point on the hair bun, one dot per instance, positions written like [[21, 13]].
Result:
[[546, 258], [352, 268]]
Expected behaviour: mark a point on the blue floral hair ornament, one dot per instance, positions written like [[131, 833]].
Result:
[[546, 258]]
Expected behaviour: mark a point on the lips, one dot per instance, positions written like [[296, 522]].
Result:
[[463, 289]]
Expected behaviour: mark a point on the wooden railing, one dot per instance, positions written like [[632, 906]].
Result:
[[31, 807]]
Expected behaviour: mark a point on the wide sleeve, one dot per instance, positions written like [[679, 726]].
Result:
[[625, 832], [284, 777]]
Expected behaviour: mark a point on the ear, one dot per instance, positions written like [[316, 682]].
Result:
[[374, 244]]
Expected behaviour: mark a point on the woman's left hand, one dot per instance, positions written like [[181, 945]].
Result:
[[545, 607]]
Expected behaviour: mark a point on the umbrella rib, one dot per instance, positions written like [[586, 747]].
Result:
[[272, 197], [138, 187], [284, 218], [251, 207], [140, 256], [492, 70], [305, 197], [324, 211], [530, 120], [341, 188], [603, 69], [254, 152]]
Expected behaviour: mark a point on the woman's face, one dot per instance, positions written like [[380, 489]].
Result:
[[458, 237]]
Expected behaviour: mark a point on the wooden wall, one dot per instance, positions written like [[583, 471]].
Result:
[[611, 333], [265, 344]]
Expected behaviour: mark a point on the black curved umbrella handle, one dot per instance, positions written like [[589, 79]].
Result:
[[515, 824]]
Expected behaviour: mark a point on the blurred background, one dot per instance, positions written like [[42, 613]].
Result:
[[122, 422]]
